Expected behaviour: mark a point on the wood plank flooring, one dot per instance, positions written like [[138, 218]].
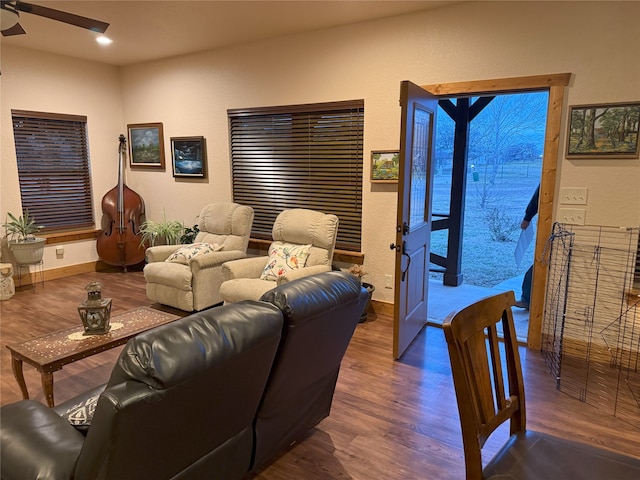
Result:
[[390, 419]]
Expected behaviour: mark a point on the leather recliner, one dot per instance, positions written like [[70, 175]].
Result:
[[179, 404], [321, 313]]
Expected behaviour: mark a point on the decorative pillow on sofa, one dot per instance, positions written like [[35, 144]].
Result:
[[81, 414], [284, 257], [185, 254]]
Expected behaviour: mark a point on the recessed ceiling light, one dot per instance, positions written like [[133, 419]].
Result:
[[102, 40]]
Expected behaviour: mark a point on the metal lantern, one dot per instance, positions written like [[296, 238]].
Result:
[[95, 311]]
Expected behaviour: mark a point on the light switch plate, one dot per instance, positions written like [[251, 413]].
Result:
[[573, 196], [572, 216]]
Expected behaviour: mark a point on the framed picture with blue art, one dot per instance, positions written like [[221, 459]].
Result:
[[189, 157]]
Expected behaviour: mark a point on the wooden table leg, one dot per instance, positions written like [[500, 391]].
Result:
[[47, 387], [16, 366]]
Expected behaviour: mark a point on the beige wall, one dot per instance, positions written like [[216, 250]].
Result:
[[41, 82], [598, 42]]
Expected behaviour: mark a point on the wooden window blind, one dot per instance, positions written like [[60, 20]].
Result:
[[53, 169], [300, 156]]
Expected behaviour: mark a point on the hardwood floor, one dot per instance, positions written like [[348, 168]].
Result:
[[389, 420]]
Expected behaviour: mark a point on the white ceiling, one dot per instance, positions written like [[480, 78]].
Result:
[[153, 29]]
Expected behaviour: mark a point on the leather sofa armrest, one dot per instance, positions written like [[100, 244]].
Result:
[[302, 272], [79, 410], [61, 408], [37, 443], [160, 253], [214, 259], [251, 267]]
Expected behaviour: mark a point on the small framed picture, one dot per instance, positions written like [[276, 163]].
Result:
[[189, 156], [603, 131], [384, 166], [146, 145]]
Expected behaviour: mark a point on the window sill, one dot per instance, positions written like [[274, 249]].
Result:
[[263, 245], [70, 236]]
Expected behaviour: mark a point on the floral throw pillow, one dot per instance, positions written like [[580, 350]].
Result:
[[284, 257], [185, 254]]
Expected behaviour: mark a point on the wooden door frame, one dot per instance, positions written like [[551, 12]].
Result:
[[555, 84]]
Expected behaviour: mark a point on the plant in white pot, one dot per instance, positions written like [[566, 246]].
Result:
[[360, 272], [25, 246], [165, 232]]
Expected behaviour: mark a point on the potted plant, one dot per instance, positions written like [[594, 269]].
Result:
[[359, 271], [25, 246], [161, 233], [189, 234]]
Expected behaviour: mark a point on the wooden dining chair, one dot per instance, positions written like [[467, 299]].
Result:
[[487, 397]]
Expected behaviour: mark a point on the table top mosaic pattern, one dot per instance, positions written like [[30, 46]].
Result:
[[53, 347]]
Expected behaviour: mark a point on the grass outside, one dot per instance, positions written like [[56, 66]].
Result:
[[485, 261]]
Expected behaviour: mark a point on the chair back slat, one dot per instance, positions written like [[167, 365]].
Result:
[[477, 362]]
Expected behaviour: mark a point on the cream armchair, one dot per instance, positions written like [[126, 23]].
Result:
[[303, 245], [188, 277]]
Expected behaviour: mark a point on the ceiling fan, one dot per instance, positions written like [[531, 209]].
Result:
[[10, 13]]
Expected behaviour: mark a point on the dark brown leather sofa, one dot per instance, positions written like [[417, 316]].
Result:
[[213, 395]]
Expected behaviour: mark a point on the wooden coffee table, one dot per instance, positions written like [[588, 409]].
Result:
[[51, 352]]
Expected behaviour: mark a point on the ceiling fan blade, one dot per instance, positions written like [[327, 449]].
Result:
[[15, 30], [70, 18]]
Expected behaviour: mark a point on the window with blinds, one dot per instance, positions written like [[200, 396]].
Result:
[[300, 156], [53, 169]]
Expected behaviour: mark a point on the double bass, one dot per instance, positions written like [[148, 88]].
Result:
[[119, 242]]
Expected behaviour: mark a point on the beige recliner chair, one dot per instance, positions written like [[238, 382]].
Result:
[[188, 277], [303, 245]]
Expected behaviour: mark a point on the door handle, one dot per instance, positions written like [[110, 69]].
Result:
[[405, 254], [403, 250]]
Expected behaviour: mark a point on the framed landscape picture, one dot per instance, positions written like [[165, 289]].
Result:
[[189, 157], [146, 145], [603, 131], [384, 166]]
